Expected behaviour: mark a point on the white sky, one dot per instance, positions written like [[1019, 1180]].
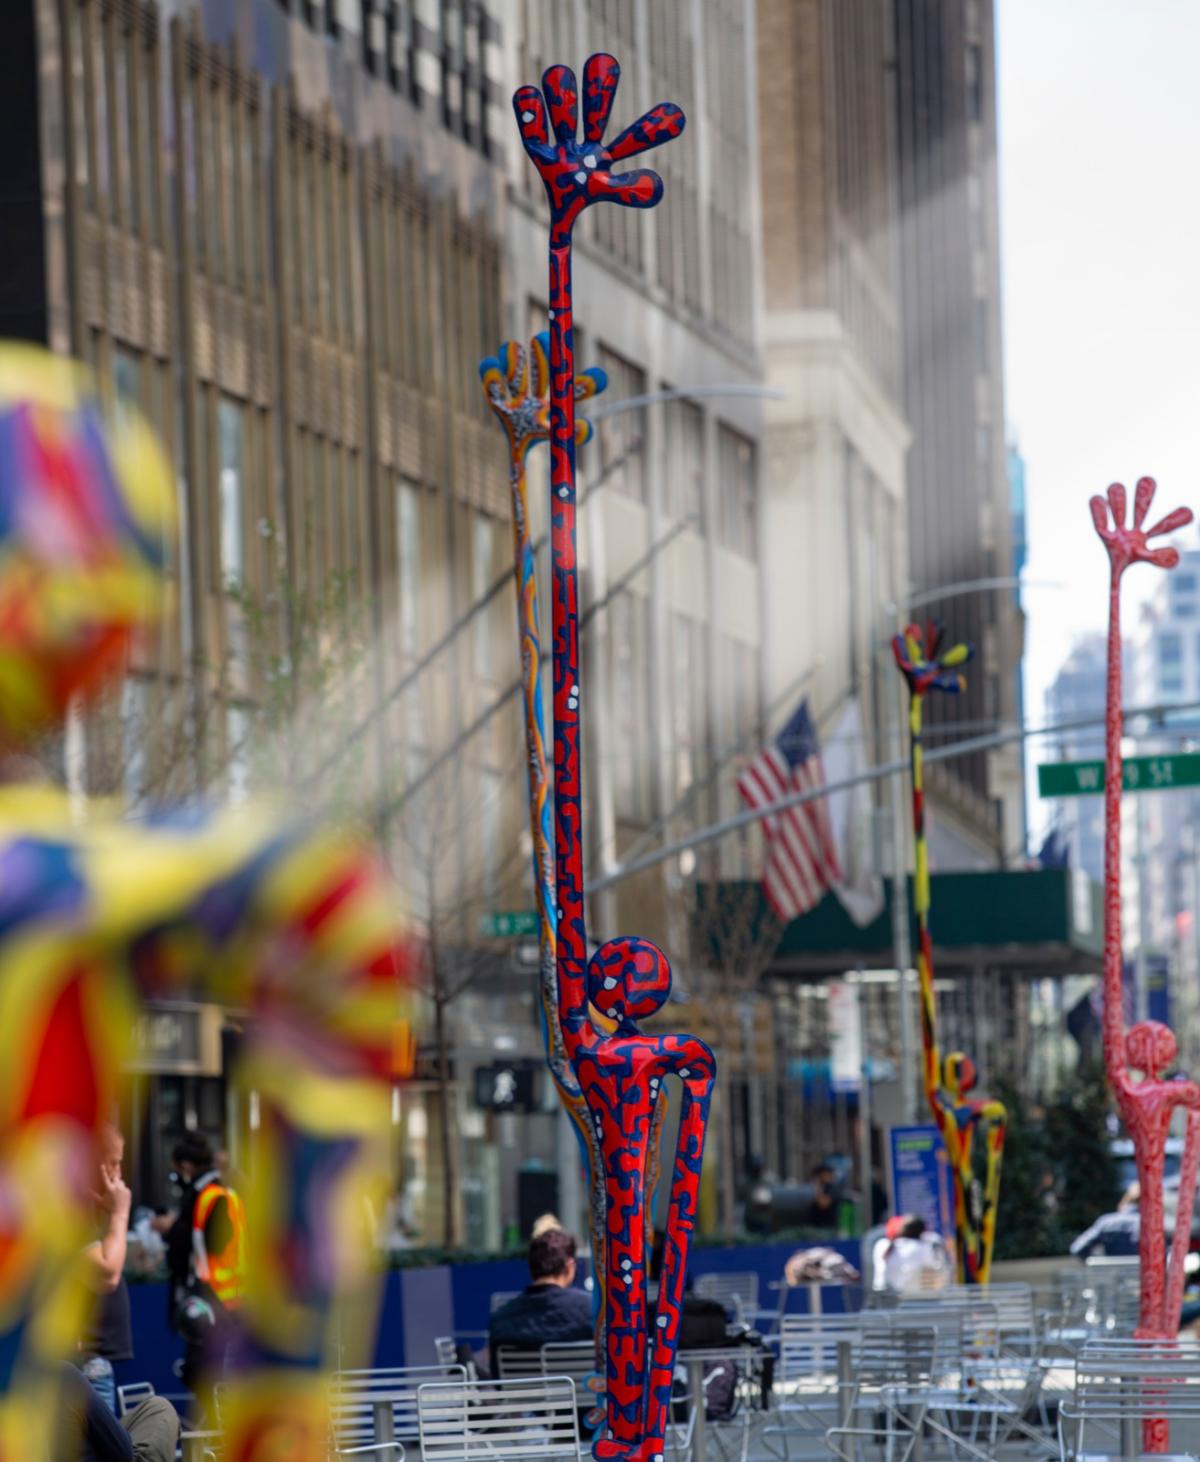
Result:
[[1099, 112]]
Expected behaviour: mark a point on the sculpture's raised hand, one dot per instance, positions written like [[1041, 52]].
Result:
[[1128, 545], [516, 383], [577, 174], [923, 662]]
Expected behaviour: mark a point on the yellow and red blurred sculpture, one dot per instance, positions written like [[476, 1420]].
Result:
[[292, 924]]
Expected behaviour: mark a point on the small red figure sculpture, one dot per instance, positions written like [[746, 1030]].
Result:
[[1146, 1105]]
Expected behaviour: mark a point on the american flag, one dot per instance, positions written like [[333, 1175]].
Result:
[[802, 860]]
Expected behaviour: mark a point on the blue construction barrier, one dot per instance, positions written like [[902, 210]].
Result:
[[452, 1299]]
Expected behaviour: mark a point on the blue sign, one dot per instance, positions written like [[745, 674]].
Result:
[[1158, 988], [921, 1176]]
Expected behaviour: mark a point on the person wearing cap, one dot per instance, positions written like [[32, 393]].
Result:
[[205, 1255], [883, 1246]]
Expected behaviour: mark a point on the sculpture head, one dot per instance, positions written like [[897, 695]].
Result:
[[628, 979], [959, 1074], [1150, 1048]]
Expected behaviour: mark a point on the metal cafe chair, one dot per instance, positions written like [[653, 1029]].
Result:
[[737, 1291], [1119, 1385], [376, 1410], [528, 1419]]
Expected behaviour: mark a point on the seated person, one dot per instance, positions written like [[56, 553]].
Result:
[[550, 1308], [89, 1432], [822, 1211]]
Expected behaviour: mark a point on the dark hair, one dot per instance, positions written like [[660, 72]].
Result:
[[550, 1253], [821, 1167], [913, 1228], [193, 1147]]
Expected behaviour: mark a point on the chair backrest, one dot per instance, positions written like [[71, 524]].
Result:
[[737, 1290], [357, 1394], [574, 1358], [501, 1297], [964, 1325], [1012, 1302], [518, 1360], [1118, 1385], [132, 1395], [904, 1355], [808, 1344], [533, 1417]]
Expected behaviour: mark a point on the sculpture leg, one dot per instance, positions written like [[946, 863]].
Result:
[[1181, 1240], [625, 1298], [997, 1129], [681, 1223]]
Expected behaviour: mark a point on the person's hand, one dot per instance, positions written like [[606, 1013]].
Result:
[[163, 1223], [113, 1194]]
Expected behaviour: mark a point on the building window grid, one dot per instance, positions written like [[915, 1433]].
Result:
[[618, 434], [737, 493]]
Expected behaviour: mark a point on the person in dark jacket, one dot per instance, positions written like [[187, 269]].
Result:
[[550, 1308]]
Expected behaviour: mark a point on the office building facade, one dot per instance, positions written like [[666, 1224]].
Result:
[[289, 232]]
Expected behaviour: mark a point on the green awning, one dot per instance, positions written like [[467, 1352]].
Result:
[[1046, 920]]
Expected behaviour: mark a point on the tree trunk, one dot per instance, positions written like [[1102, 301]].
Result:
[[446, 1112]]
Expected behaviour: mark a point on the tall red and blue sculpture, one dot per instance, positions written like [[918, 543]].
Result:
[[516, 384], [1148, 1047], [627, 979], [927, 666]]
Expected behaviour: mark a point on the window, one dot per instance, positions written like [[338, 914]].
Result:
[[237, 740], [135, 735], [688, 709], [630, 684], [682, 471], [485, 543], [981, 336], [408, 558], [1182, 584], [491, 793], [231, 447], [127, 384], [737, 493], [973, 80], [1185, 609], [1170, 650], [621, 437]]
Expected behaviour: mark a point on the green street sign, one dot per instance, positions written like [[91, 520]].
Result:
[[1138, 774], [518, 924]]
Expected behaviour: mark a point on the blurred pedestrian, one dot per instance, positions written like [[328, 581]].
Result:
[[822, 1211], [108, 1335], [917, 1259], [205, 1259]]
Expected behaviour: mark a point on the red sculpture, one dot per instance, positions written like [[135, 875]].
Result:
[[1146, 1105]]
